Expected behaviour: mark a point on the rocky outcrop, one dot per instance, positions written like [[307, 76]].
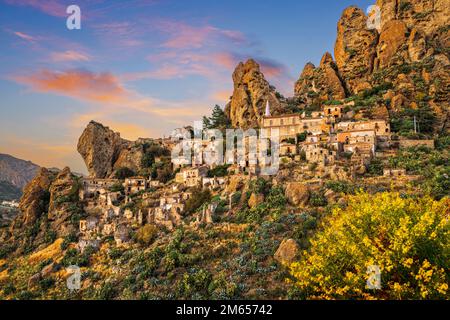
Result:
[[100, 148], [34, 201], [426, 15], [287, 252], [297, 193], [104, 151], [355, 49], [323, 81], [392, 38], [63, 201], [250, 94]]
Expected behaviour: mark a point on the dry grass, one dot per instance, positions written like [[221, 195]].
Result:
[[51, 252]]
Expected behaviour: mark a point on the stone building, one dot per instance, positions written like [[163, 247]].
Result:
[[92, 187], [135, 184], [191, 177]]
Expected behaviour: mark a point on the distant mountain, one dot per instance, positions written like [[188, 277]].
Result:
[[9, 192], [16, 171]]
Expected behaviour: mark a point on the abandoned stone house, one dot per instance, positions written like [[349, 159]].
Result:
[[135, 184], [191, 177], [333, 111], [316, 152], [287, 149], [381, 127], [92, 187], [122, 234], [212, 183], [292, 124], [89, 225]]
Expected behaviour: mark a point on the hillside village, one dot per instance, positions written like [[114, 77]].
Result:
[[365, 134], [326, 145]]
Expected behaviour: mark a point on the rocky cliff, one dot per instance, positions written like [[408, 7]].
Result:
[[250, 94], [49, 208], [400, 65], [104, 151], [321, 83]]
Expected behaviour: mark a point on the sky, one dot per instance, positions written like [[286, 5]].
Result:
[[142, 67]]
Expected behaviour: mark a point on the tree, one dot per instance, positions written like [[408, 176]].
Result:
[[407, 238], [146, 234], [123, 173], [199, 197], [218, 119]]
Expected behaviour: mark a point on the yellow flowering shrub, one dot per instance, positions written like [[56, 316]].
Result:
[[406, 238]]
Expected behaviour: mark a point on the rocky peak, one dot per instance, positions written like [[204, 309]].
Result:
[[326, 59], [33, 201], [425, 15], [355, 48], [324, 81], [100, 147], [251, 91]]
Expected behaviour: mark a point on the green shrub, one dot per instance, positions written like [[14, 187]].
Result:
[[147, 234], [199, 198], [317, 199], [219, 171], [123, 173]]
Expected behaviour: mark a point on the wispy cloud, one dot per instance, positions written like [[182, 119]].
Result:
[[184, 36], [80, 84], [51, 7], [69, 55], [25, 36]]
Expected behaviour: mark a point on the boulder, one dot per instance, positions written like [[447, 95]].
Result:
[[255, 199], [297, 193], [287, 252]]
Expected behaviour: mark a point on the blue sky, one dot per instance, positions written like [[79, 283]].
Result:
[[142, 67]]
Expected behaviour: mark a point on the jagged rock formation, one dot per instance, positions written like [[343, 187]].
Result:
[[319, 84], [100, 147], [16, 171], [251, 91], [104, 151], [35, 197], [63, 201], [425, 15], [355, 48], [392, 37], [408, 50], [47, 206]]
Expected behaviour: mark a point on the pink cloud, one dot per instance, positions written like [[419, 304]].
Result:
[[184, 36], [25, 36], [50, 7], [85, 85], [69, 55]]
